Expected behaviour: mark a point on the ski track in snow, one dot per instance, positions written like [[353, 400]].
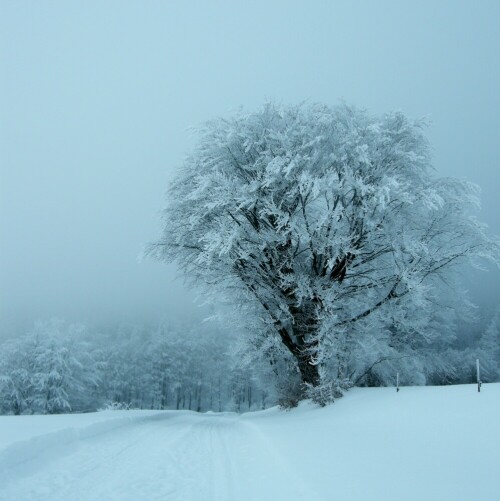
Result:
[[202, 457]]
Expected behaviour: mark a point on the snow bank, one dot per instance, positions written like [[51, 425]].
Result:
[[51, 436], [423, 443]]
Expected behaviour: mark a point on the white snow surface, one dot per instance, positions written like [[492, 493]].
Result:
[[423, 443]]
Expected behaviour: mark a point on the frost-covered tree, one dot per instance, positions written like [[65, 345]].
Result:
[[63, 372], [14, 385], [328, 219], [49, 370]]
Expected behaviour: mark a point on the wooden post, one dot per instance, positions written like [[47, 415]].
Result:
[[478, 373], [397, 382]]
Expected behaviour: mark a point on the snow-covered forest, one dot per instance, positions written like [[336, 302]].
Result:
[[59, 368]]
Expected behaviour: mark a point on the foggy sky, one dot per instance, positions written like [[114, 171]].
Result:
[[97, 98]]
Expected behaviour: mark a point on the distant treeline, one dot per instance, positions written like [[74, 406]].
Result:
[[58, 368]]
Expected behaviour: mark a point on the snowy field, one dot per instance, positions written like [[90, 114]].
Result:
[[422, 444]]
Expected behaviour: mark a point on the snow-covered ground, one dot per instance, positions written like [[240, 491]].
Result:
[[422, 444]]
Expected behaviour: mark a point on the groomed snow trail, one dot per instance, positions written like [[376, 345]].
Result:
[[423, 443], [164, 456]]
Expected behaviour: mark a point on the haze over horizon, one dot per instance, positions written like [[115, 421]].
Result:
[[97, 99]]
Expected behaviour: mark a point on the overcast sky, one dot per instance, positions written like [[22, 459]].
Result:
[[97, 98]]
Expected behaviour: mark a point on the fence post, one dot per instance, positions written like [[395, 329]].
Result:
[[478, 373], [397, 382]]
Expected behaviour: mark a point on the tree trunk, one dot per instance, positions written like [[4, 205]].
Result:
[[308, 371], [178, 399], [305, 328], [198, 404]]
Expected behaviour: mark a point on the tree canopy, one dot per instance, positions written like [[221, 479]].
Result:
[[327, 221]]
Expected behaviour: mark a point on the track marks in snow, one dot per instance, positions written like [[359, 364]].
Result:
[[186, 457], [116, 464]]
